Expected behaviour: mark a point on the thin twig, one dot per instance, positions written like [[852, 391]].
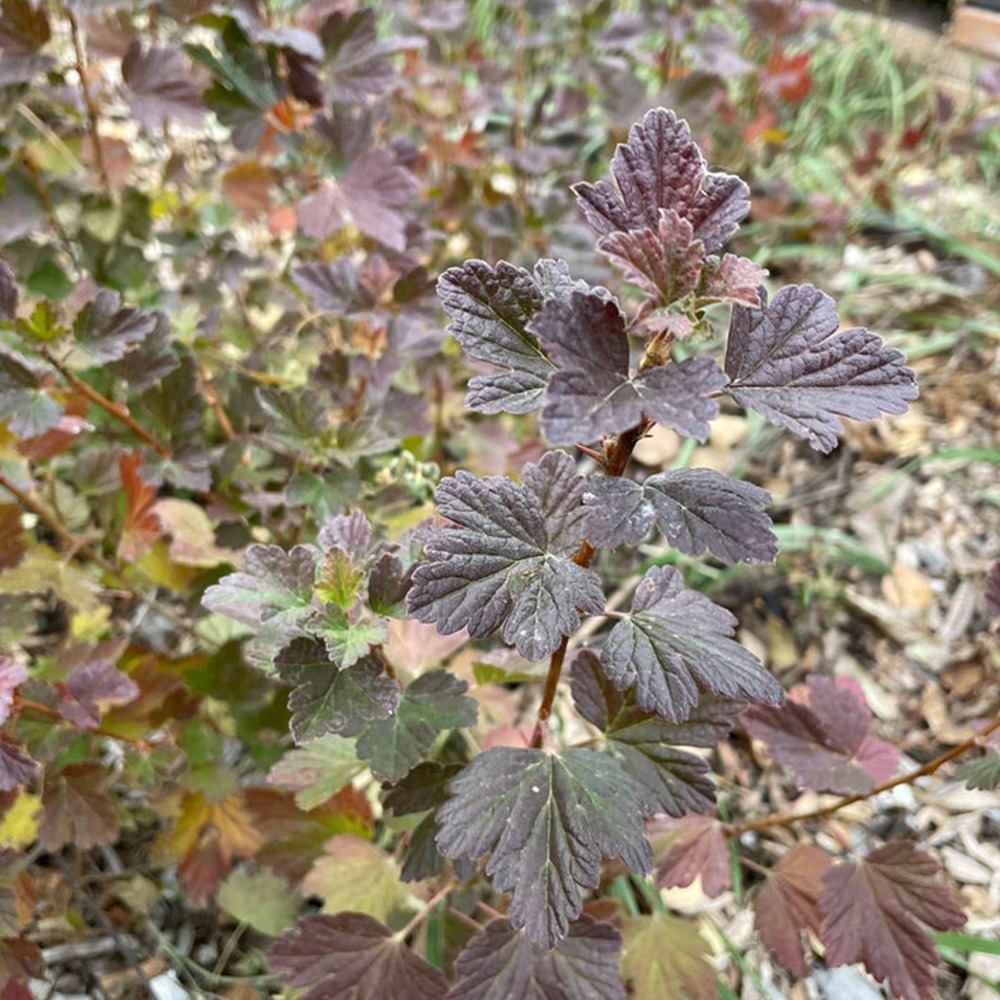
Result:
[[93, 119], [616, 460], [117, 410], [76, 545], [787, 819], [425, 912]]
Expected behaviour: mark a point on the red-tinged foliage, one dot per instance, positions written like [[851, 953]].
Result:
[[12, 538], [787, 77], [352, 957], [821, 733], [696, 847], [874, 911], [76, 808], [142, 527], [92, 688], [787, 904]]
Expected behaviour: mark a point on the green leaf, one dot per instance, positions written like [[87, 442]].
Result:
[[666, 959], [261, 900], [50, 280], [338, 579], [549, 818], [981, 773], [348, 637], [317, 772], [328, 699], [355, 875], [431, 704]]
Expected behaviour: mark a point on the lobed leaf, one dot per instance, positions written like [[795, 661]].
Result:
[[787, 362], [490, 309], [874, 909], [433, 703], [696, 848], [665, 958], [660, 167], [274, 590], [669, 780], [26, 407], [16, 767], [76, 809], [674, 643], [106, 330], [821, 733], [981, 773], [696, 509], [548, 819], [788, 904], [160, 85], [592, 394], [499, 566], [350, 956], [328, 699], [502, 963]]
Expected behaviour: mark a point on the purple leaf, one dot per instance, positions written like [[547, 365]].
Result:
[[93, 687], [106, 330], [490, 311], [373, 193], [26, 407], [664, 262], [592, 395], [874, 909], [661, 167], [161, 85], [669, 779], [16, 767], [351, 533], [787, 362], [696, 509], [548, 819], [330, 286], [821, 733], [676, 642], [502, 962], [352, 956], [559, 491], [498, 567]]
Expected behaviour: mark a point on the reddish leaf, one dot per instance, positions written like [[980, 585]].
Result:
[[94, 687], [733, 279], [787, 77], [787, 904], [350, 956], [821, 733], [203, 868], [873, 913], [76, 810], [294, 837], [18, 960], [697, 847], [248, 186], [16, 768], [142, 526]]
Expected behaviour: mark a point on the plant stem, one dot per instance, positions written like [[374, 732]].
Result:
[[75, 544], [88, 100], [117, 410], [425, 912], [787, 819], [617, 457]]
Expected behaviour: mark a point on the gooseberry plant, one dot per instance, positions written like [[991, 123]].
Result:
[[528, 831]]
